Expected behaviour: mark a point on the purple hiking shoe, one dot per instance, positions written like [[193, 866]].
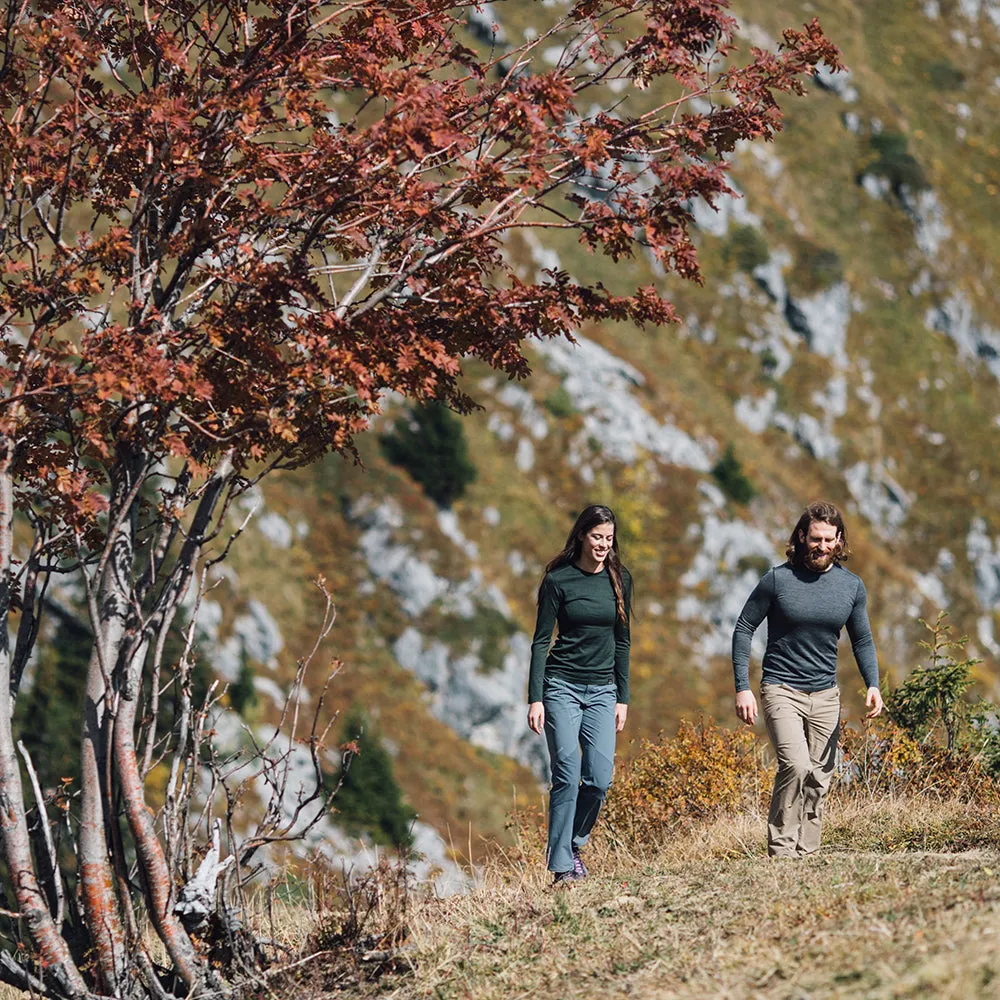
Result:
[[564, 878], [579, 868]]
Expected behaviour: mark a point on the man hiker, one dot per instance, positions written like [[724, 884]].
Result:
[[806, 600]]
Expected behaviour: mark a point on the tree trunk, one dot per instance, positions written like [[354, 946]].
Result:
[[53, 953], [108, 610], [149, 852]]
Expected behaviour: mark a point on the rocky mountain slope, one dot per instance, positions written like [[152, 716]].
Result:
[[845, 344]]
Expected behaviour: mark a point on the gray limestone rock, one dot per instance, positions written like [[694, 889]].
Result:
[[413, 582], [602, 387], [732, 558], [728, 210], [485, 24], [929, 224], [976, 9], [276, 530], [852, 122], [983, 554], [822, 319], [486, 708], [974, 340], [771, 277], [875, 186], [809, 432], [756, 413], [837, 83], [879, 497]]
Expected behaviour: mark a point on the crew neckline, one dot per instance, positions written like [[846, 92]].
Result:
[[595, 573]]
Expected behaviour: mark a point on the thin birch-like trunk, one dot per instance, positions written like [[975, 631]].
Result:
[[109, 607], [149, 852], [54, 956]]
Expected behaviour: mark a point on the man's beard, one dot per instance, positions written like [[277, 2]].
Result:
[[819, 561]]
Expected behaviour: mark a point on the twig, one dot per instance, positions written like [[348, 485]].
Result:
[[47, 834]]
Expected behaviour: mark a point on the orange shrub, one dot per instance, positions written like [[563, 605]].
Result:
[[883, 758], [705, 771]]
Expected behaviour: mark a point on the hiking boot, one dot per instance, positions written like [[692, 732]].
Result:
[[579, 868], [564, 878]]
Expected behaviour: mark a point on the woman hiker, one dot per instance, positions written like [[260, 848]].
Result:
[[578, 690]]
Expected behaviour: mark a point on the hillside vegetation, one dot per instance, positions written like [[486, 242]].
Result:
[[844, 345], [682, 901], [847, 924]]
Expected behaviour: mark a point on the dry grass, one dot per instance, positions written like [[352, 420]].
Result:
[[903, 901], [708, 915]]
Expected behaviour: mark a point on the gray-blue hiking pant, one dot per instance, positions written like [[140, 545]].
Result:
[[580, 732]]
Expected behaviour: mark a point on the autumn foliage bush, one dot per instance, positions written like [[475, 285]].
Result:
[[703, 772], [883, 759], [890, 792]]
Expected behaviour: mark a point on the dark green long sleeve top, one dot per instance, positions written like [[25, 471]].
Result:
[[592, 646]]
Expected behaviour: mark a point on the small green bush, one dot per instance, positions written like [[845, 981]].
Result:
[[732, 480], [945, 75], [56, 697], [429, 442], [242, 692], [746, 248], [369, 799], [815, 268], [487, 632], [560, 403], [769, 362], [890, 158], [758, 565], [932, 704]]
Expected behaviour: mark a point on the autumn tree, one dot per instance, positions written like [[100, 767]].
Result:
[[226, 231]]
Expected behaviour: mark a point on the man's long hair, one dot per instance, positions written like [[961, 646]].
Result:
[[589, 518], [820, 510]]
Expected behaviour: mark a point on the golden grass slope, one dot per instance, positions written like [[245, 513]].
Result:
[[706, 915]]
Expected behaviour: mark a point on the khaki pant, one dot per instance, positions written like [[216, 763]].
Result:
[[803, 727]]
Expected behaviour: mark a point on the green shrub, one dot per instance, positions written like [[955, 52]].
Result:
[[559, 403], [242, 692], [815, 268], [369, 799], [933, 706], [890, 158], [732, 480], [746, 248], [768, 362], [430, 444], [48, 716], [945, 75], [758, 565], [486, 632]]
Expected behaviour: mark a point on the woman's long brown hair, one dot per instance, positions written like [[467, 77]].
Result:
[[589, 518]]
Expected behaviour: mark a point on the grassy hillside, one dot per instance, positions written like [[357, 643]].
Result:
[[702, 914], [871, 215]]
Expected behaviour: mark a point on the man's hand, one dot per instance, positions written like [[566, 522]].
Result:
[[746, 706], [874, 703], [621, 712], [536, 717]]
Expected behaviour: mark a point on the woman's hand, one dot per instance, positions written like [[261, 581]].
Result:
[[621, 713], [536, 717]]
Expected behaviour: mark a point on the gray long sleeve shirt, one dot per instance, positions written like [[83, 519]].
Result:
[[805, 612]]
